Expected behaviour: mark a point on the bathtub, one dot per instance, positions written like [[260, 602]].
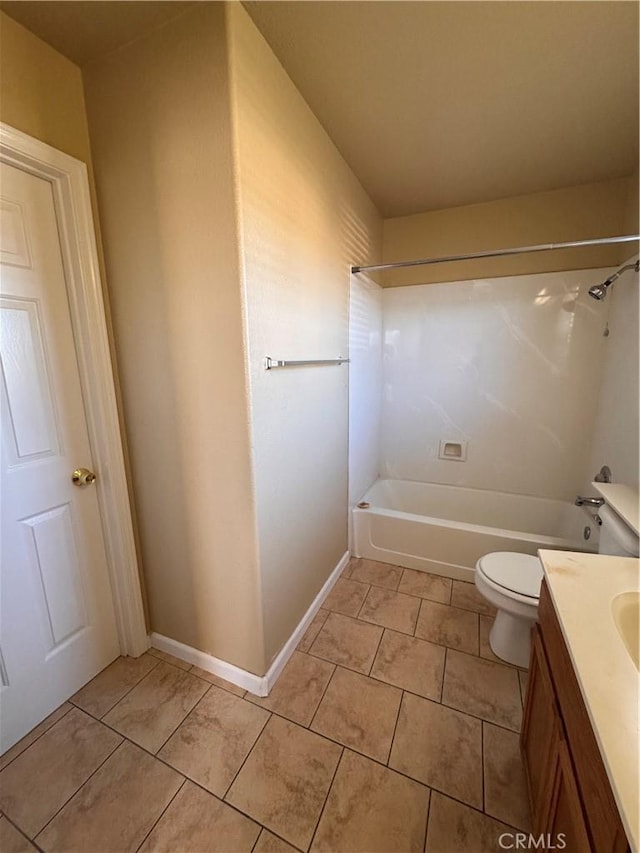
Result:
[[446, 529]]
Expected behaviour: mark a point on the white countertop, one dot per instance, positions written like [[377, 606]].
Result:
[[582, 587], [624, 500]]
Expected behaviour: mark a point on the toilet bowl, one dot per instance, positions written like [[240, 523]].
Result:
[[512, 581]]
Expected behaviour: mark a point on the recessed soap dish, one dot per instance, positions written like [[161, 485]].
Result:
[[452, 451]]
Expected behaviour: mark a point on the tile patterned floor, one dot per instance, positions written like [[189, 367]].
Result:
[[392, 729]]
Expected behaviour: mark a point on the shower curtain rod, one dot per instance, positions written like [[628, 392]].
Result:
[[497, 253]]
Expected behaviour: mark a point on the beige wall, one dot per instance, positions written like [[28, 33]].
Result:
[[41, 91], [631, 221], [304, 218], [41, 94], [575, 213], [160, 131]]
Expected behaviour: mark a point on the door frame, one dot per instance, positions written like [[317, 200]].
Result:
[[70, 186]]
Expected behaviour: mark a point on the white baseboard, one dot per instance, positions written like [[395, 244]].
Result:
[[241, 677], [278, 663], [259, 685]]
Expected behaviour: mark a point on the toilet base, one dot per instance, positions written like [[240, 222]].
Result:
[[510, 638]]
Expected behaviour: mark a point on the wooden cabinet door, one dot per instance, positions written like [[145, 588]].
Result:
[[540, 734], [565, 825]]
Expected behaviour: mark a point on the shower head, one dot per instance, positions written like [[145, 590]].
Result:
[[599, 291]]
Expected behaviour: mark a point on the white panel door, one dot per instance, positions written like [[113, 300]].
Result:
[[57, 619]]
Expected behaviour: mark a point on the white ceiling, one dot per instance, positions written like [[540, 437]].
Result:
[[432, 104], [439, 104]]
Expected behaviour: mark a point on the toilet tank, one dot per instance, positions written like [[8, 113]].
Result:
[[616, 537]]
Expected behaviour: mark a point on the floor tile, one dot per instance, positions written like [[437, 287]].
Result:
[[313, 630], [172, 659], [12, 841], [270, 843], [285, 779], [347, 642], [424, 585], [298, 691], [523, 678], [109, 686], [466, 595], [448, 626], [44, 776], [373, 809], [485, 649], [454, 828], [215, 739], [346, 572], [346, 597], [505, 786], [359, 712], [483, 688], [414, 665], [391, 609], [378, 574], [198, 822], [33, 735], [156, 706], [116, 808], [219, 682], [440, 747]]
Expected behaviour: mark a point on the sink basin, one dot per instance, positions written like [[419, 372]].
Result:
[[626, 608]]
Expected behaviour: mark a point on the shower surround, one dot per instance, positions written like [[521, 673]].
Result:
[[510, 368]]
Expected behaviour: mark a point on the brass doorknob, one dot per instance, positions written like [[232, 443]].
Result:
[[83, 477]]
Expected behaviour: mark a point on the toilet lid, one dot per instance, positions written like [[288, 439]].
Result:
[[519, 573]]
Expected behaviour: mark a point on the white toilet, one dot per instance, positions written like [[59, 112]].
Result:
[[511, 582]]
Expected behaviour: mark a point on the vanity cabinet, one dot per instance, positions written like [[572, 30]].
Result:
[[568, 785]]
